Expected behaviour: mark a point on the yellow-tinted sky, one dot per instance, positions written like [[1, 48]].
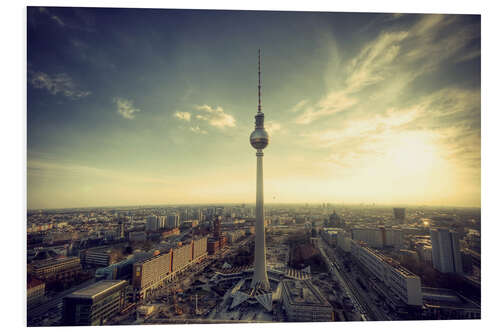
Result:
[[131, 107]]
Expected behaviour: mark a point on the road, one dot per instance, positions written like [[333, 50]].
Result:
[[334, 270], [360, 301]]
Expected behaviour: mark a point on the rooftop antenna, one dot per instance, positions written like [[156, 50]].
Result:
[[259, 109]]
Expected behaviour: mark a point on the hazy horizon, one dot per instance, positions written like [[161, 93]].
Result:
[[130, 107]]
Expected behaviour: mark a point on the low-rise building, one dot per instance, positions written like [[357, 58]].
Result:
[[442, 303], [98, 256], [95, 304], [302, 301]]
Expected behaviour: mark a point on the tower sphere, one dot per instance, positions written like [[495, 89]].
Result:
[[259, 138]]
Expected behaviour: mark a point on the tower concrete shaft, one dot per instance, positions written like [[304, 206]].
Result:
[[260, 279], [259, 139]]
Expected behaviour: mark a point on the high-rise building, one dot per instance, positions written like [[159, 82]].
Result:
[[161, 222], [173, 221], [446, 256], [259, 140], [152, 223], [399, 215], [217, 223], [121, 229]]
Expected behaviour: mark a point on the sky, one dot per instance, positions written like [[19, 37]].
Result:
[[145, 107]]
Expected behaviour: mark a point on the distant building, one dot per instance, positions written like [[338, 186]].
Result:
[[302, 301], [152, 223], [161, 222], [335, 221], [171, 232], [399, 215], [234, 236], [98, 256], [374, 237], [212, 246], [121, 230], [446, 256], [173, 221], [95, 304], [137, 236]]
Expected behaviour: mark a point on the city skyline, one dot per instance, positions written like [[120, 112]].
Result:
[[381, 108]]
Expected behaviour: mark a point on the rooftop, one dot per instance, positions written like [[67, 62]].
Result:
[[304, 293], [97, 288]]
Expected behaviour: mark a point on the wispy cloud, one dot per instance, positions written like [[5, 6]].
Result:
[[56, 84], [448, 119], [56, 18], [215, 116], [300, 105], [125, 108], [390, 62], [197, 129], [273, 127], [336, 101], [183, 115]]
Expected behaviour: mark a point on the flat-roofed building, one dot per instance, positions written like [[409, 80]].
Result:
[[98, 256], [374, 237], [56, 268], [302, 301], [199, 248], [95, 304], [181, 256], [446, 255], [403, 283], [442, 303], [150, 273]]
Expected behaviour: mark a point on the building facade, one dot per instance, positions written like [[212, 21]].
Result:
[[35, 292], [402, 283], [95, 304], [446, 256], [57, 268]]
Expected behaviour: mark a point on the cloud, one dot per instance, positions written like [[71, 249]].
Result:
[[371, 65], [448, 120], [273, 127], [58, 20], [299, 106], [330, 104], [183, 115], [215, 116], [125, 108], [198, 130], [385, 66], [55, 84]]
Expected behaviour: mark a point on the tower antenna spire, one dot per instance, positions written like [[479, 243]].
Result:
[[260, 107]]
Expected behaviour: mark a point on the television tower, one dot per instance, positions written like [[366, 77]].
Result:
[[259, 139]]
